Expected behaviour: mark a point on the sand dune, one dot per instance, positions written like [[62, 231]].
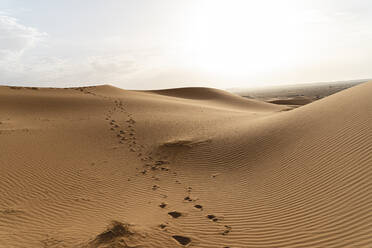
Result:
[[196, 167]]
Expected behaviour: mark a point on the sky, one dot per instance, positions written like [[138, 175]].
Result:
[[152, 44]]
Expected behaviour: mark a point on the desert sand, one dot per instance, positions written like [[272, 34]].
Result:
[[191, 167]]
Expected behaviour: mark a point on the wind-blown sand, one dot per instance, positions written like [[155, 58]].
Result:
[[197, 167]]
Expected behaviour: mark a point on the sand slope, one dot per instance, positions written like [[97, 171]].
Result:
[[197, 167]]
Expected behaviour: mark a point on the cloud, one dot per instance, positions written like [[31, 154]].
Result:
[[93, 69], [65, 72], [16, 38], [24, 61]]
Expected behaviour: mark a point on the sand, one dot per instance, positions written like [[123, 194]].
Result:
[[192, 167]]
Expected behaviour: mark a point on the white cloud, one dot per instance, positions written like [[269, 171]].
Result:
[[22, 63], [93, 69], [47, 71], [16, 38]]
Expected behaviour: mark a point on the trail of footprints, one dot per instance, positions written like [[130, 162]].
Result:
[[152, 164], [126, 135]]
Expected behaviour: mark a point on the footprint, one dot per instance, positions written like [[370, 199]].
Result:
[[227, 230], [212, 217], [175, 214], [160, 162], [198, 206], [163, 205], [182, 239]]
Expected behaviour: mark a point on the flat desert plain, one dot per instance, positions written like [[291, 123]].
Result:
[[190, 167]]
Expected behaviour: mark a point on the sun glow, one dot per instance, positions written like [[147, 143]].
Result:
[[244, 37]]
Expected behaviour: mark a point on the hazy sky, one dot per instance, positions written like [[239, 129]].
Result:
[[143, 44]]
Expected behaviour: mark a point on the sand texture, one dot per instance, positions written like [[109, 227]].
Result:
[[191, 167]]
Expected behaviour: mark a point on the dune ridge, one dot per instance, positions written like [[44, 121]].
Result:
[[193, 167]]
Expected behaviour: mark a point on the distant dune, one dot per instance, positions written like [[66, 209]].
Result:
[[190, 167], [298, 94]]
